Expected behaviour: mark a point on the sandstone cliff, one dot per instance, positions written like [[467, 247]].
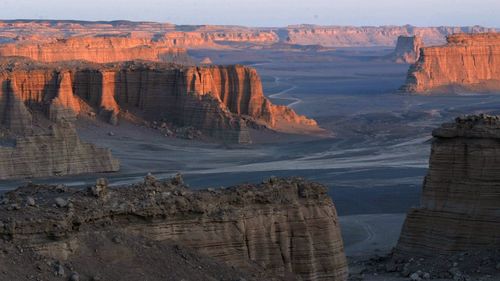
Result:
[[407, 49], [96, 49], [468, 62], [460, 200], [220, 101], [283, 227]]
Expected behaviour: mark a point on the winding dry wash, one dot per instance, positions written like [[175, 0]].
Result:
[[156, 151]]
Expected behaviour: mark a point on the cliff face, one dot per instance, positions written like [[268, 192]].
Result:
[[282, 227], [220, 101], [37, 138], [461, 198], [407, 49], [96, 49], [468, 62]]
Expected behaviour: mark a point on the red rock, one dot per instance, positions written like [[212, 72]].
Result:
[[407, 49]]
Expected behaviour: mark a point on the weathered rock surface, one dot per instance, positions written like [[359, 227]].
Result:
[[96, 49], [219, 101], [407, 49], [468, 62], [283, 227], [460, 204]]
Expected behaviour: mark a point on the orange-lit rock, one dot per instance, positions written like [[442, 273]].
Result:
[[218, 100], [95, 49], [468, 62]]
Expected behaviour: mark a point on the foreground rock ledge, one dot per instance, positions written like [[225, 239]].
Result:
[[280, 228]]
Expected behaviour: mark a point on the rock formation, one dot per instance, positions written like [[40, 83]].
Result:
[[37, 137], [468, 62], [407, 49], [459, 210], [220, 101], [96, 49], [281, 228]]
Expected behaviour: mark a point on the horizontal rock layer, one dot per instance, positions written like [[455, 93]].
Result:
[[460, 204], [468, 62], [220, 101], [285, 227], [96, 49]]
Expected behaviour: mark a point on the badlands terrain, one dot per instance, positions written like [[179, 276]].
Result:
[[226, 106]]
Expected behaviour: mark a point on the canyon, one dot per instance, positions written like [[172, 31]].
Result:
[[468, 62], [407, 49], [278, 230]]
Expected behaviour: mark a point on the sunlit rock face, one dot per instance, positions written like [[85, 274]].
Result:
[[280, 228], [37, 136], [459, 210], [222, 101], [96, 49], [407, 49], [468, 62]]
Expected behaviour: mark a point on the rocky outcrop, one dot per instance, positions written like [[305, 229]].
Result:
[[468, 62], [283, 227], [407, 49], [459, 210], [96, 49], [220, 101]]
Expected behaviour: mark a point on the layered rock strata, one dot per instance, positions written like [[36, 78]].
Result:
[[407, 49], [220, 101], [468, 62], [284, 227], [37, 137], [96, 49], [459, 210]]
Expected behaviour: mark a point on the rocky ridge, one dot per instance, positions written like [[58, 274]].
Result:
[[281, 228], [468, 62]]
